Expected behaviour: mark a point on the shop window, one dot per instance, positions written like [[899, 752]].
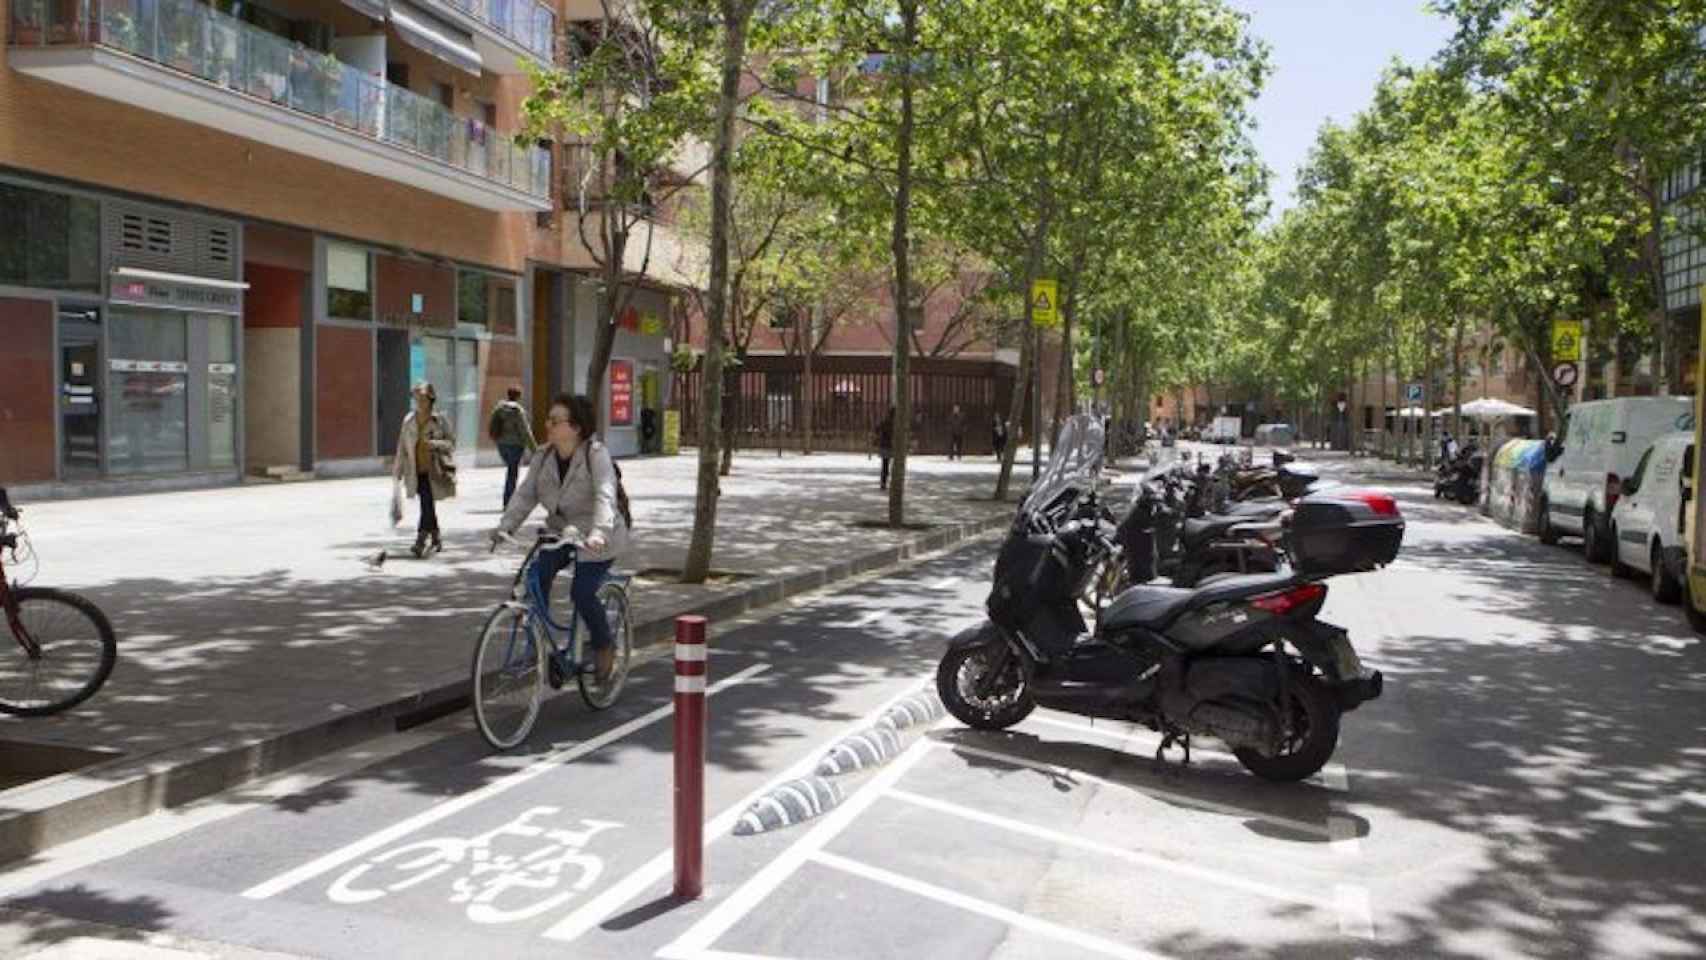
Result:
[[503, 305], [349, 283], [49, 240]]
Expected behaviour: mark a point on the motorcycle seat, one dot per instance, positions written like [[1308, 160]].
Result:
[[1155, 607], [1145, 605], [1195, 533]]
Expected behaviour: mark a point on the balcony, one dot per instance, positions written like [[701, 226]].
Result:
[[506, 32], [186, 60]]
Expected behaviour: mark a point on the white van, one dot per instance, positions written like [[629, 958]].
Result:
[[1646, 524], [1602, 441]]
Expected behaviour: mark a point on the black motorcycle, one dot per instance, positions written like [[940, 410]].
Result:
[[1242, 659], [1460, 477]]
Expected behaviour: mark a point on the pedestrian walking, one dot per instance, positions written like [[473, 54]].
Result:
[[512, 431], [956, 434], [885, 447], [998, 436], [426, 464], [575, 480]]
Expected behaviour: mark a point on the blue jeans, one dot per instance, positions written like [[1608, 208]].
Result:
[[589, 576], [512, 454]]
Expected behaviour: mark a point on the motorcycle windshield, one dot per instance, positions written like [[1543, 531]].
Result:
[[1075, 462]]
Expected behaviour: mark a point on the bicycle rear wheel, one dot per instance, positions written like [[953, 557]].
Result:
[[508, 677], [614, 599], [74, 651]]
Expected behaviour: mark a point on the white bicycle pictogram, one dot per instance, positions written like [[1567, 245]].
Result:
[[495, 881]]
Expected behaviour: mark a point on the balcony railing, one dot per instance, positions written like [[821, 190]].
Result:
[[531, 24], [197, 40]]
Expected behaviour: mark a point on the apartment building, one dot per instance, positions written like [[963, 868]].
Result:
[[233, 233]]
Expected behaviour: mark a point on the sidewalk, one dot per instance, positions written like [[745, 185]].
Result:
[[253, 635]]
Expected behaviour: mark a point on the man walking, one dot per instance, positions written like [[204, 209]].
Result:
[[513, 433], [956, 434]]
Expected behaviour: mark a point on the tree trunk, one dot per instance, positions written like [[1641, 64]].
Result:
[[902, 242], [1428, 401], [1063, 388], [1652, 256], [1016, 406], [733, 403], [736, 14], [1457, 382]]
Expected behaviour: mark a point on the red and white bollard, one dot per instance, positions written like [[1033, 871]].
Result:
[[690, 664]]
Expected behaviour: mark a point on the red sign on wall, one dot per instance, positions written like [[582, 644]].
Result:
[[621, 393]]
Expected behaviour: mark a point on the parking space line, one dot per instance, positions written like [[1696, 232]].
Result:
[[1011, 918], [1131, 856], [749, 895], [1333, 775], [596, 910], [1069, 773], [455, 805]]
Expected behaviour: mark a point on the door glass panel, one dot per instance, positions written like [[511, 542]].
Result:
[[467, 418], [221, 392], [80, 393], [148, 382], [441, 373]]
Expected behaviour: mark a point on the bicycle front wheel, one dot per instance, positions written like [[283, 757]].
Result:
[[508, 677], [65, 653], [597, 695]]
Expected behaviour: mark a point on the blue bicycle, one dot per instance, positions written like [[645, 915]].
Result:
[[519, 652]]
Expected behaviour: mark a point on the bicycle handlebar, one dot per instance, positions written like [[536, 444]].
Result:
[[570, 537]]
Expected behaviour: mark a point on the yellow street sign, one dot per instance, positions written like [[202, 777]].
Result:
[[1566, 340], [1045, 297]]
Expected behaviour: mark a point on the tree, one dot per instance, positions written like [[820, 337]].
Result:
[[631, 96]]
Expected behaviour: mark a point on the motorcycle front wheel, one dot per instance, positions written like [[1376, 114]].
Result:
[[979, 699]]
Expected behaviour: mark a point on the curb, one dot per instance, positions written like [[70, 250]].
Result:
[[57, 810]]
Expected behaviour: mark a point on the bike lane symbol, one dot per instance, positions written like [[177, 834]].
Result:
[[499, 883]]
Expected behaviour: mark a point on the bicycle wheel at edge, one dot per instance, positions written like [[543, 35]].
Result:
[[514, 657], [614, 598], [76, 639]]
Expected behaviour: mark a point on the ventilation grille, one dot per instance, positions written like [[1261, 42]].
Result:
[[167, 240]]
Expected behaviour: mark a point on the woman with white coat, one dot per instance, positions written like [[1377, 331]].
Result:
[[425, 464]]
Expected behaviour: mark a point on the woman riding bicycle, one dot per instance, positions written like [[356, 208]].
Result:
[[574, 479]]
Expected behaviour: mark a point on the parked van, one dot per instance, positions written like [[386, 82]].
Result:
[[1601, 443], [1275, 435], [1646, 524]]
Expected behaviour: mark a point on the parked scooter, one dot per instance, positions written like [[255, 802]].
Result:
[[1243, 659], [1460, 478]]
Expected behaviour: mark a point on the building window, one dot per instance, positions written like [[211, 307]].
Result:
[[349, 283], [49, 240], [473, 298]]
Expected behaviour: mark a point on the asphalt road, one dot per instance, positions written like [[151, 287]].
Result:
[[1530, 785]]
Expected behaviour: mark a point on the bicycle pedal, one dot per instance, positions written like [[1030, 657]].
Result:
[[554, 672]]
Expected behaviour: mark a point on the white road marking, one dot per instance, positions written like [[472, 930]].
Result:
[[1131, 856], [166, 824], [455, 805], [1018, 921], [726, 914], [1356, 917], [946, 583], [1333, 775], [596, 910], [1069, 773]]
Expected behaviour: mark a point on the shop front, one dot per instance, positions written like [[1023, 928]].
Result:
[[637, 381], [121, 327]]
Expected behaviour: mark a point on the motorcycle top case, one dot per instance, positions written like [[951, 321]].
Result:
[[1345, 531]]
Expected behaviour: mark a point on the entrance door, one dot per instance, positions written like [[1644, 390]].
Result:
[[80, 393], [392, 398]]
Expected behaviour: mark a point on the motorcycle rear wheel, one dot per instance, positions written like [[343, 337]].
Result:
[[1315, 735], [963, 670]]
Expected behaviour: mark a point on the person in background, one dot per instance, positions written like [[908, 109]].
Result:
[[885, 447], [512, 431], [998, 436], [956, 434], [425, 464]]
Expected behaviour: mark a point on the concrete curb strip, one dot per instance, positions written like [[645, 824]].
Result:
[[46, 813]]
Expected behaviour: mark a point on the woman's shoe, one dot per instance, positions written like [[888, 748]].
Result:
[[437, 543], [419, 549], [606, 659]]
